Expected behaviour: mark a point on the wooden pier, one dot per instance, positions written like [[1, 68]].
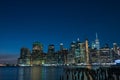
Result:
[[102, 73]]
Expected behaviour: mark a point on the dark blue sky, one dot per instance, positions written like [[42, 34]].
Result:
[[52, 22]]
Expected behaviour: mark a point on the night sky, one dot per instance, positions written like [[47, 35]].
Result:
[[53, 22]]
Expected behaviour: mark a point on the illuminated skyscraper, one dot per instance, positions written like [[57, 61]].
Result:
[[71, 54], [61, 46], [37, 48], [77, 51], [97, 43], [115, 47], [51, 55], [87, 51], [72, 47], [77, 48], [37, 53], [24, 57]]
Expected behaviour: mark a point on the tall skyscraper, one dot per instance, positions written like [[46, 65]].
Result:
[[24, 57], [97, 43], [50, 57], [37, 53], [87, 51], [77, 48], [61, 46], [115, 47], [72, 47]]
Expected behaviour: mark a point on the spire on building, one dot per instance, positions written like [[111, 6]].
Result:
[[78, 39]]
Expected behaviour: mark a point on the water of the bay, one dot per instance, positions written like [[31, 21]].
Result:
[[59, 73], [30, 73]]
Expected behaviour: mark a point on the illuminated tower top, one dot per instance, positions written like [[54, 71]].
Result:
[[61, 46], [37, 46], [78, 39]]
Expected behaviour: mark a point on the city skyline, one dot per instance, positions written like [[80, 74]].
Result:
[[55, 22], [95, 45]]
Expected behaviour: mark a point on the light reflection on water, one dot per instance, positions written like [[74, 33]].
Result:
[[30, 73], [45, 73], [60, 73]]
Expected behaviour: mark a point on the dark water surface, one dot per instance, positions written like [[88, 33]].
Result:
[[30, 73], [59, 73]]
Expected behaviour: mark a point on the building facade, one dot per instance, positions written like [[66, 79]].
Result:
[[25, 57]]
